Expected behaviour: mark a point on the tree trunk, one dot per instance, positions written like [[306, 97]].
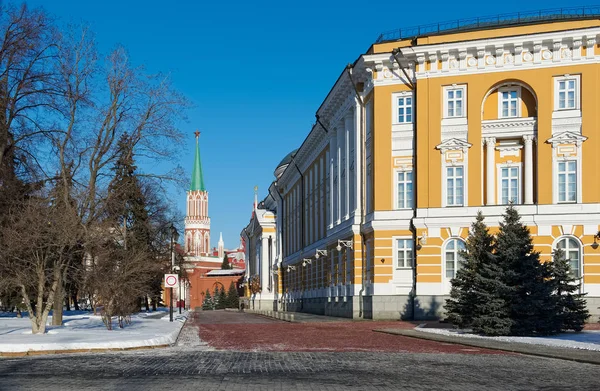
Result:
[[75, 302], [57, 310], [146, 303]]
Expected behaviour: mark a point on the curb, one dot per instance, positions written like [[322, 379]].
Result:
[[577, 355], [69, 351], [285, 316]]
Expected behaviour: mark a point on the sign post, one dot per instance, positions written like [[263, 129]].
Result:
[[171, 281]]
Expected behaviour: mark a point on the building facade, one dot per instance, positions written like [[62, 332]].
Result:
[[420, 134]]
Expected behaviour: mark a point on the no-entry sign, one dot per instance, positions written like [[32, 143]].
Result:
[[171, 280]]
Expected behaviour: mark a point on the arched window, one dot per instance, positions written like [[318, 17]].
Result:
[[572, 252], [453, 257]]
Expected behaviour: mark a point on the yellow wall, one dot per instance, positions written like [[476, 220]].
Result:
[[485, 34]]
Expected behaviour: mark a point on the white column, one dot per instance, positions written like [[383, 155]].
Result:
[[490, 144], [528, 141], [348, 122], [332, 176], [264, 264], [339, 162]]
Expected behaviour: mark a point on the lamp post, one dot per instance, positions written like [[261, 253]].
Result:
[[174, 238]]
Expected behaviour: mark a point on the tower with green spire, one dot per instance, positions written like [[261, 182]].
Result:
[[197, 222]]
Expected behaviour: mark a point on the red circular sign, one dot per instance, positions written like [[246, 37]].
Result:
[[171, 281]]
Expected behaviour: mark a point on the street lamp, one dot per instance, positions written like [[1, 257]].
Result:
[[174, 238]]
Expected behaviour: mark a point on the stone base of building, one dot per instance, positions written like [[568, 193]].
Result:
[[381, 307]]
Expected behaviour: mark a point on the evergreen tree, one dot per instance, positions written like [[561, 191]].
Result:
[[571, 312], [225, 264], [464, 298], [222, 298], [208, 303], [232, 296], [530, 290]]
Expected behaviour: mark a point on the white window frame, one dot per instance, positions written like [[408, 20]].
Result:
[[445, 184], [397, 183], [455, 252], [397, 249], [577, 179], [463, 88], [396, 106], [518, 102], [557, 80], [579, 249], [519, 166]]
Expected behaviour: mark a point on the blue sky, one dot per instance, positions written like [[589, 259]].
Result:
[[255, 71]]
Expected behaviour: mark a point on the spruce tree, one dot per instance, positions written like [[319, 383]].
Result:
[[571, 312], [530, 290], [222, 298], [232, 296], [208, 303], [464, 297], [225, 264]]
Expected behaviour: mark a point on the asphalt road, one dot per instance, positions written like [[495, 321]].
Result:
[[200, 367]]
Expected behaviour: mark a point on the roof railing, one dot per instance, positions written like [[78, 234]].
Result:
[[553, 14]]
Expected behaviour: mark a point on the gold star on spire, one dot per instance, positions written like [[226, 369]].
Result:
[[197, 133]]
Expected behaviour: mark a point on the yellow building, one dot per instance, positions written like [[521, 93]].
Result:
[[419, 134]]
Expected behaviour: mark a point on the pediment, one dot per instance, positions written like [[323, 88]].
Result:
[[566, 138], [454, 144]]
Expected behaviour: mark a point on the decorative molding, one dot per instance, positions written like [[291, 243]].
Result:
[[454, 144], [509, 127], [566, 138]]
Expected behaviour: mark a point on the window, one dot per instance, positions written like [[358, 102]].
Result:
[[405, 189], [404, 249], [455, 99], [453, 256], [454, 186], [572, 253], [509, 103], [509, 184], [566, 94], [404, 109], [567, 181]]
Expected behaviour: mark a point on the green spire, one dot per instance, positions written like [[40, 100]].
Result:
[[197, 179]]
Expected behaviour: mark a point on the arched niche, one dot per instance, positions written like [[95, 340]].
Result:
[[490, 106]]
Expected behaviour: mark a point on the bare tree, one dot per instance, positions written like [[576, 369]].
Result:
[[27, 81], [35, 251]]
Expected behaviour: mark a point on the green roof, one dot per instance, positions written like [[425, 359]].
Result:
[[197, 178]]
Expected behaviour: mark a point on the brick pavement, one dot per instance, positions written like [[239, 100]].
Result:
[[190, 366], [216, 370], [225, 330]]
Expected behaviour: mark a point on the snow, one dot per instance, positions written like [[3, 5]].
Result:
[[587, 340], [83, 330]]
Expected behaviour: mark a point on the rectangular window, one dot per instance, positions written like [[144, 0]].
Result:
[[566, 94], [455, 100], [404, 253], [454, 186], [405, 190], [567, 181], [509, 177], [404, 111], [509, 103]]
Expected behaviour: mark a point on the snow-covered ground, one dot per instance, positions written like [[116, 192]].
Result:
[[589, 340], [83, 330]]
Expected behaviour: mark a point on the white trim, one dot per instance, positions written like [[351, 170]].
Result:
[[395, 254], [445, 165], [499, 168], [395, 187], [454, 87], [567, 77], [446, 285], [509, 88], [581, 255], [395, 107]]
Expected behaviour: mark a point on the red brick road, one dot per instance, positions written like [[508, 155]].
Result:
[[245, 332]]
